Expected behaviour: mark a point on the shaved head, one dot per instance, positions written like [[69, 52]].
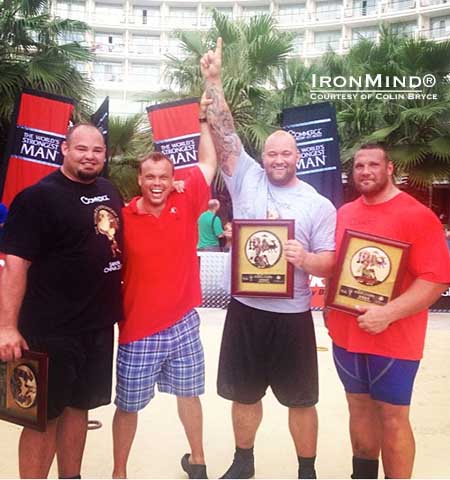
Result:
[[280, 157], [281, 135]]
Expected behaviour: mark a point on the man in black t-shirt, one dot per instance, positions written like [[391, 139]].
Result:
[[60, 294]]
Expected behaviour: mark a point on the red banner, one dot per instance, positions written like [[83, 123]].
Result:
[[176, 132], [39, 126]]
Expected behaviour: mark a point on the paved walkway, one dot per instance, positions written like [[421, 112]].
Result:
[[160, 440]]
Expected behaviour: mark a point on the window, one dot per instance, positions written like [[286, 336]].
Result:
[[362, 8], [145, 44], [108, 42], [292, 14], [144, 74], [249, 12], [406, 29], [108, 72], [108, 14], [328, 10], [326, 40], [370, 33], [143, 15], [183, 17], [72, 10]]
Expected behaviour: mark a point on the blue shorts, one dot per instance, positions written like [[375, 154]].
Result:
[[172, 358], [385, 379]]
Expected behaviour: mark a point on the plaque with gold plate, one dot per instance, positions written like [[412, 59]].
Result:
[[258, 266], [369, 271], [23, 390]]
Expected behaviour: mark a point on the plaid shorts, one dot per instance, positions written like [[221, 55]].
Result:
[[172, 358]]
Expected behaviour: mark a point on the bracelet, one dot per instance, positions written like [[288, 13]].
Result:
[[202, 119]]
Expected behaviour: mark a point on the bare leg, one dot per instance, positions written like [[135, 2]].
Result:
[[190, 413], [365, 426], [303, 425], [246, 420], [124, 430], [70, 441], [36, 451], [398, 446]]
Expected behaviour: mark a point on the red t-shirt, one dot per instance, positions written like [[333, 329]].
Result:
[[161, 279], [405, 219]]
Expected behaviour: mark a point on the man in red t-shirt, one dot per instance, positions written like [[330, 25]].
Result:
[[159, 339], [377, 353]]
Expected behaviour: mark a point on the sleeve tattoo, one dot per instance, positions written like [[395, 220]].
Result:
[[225, 138]]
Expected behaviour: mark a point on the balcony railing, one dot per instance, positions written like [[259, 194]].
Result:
[[289, 19], [144, 49], [105, 47], [322, 46], [328, 15], [108, 18], [439, 33], [140, 19], [430, 3], [113, 77]]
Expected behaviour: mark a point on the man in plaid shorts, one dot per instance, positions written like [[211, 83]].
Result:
[[159, 337]]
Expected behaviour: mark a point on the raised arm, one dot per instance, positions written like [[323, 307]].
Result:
[[12, 289], [206, 151], [227, 143]]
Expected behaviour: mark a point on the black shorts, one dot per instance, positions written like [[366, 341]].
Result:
[[261, 349], [80, 369]]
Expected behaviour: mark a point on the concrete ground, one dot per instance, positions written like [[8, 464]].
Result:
[[160, 440]]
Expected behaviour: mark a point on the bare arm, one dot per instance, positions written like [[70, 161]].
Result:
[[419, 296], [206, 150], [220, 120], [318, 264], [13, 282]]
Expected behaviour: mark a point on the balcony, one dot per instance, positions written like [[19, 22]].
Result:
[[437, 34], [105, 48], [141, 49]]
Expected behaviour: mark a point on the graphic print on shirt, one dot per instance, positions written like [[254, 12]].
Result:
[[107, 223]]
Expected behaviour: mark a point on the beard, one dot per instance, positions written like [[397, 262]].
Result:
[[88, 176], [373, 188]]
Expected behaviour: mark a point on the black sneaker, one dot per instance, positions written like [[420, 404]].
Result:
[[194, 470], [241, 468]]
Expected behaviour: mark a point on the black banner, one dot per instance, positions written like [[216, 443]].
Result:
[[101, 120], [314, 128]]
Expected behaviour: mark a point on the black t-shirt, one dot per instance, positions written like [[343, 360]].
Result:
[[72, 234]]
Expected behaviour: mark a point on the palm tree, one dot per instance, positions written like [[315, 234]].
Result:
[[128, 140], [253, 56], [416, 131], [33, 54]]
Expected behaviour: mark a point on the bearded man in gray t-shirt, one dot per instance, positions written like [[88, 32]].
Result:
[[270, 342]]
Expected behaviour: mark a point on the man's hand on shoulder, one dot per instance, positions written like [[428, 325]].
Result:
[[374, 318], [179, 186], [11, 344]]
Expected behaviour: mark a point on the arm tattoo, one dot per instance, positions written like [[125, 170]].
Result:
[[225, 138]]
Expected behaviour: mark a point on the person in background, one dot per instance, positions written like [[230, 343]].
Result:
[[228, 235], [210, 228]]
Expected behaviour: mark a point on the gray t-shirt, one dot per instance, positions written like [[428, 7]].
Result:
[[254, 197]]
